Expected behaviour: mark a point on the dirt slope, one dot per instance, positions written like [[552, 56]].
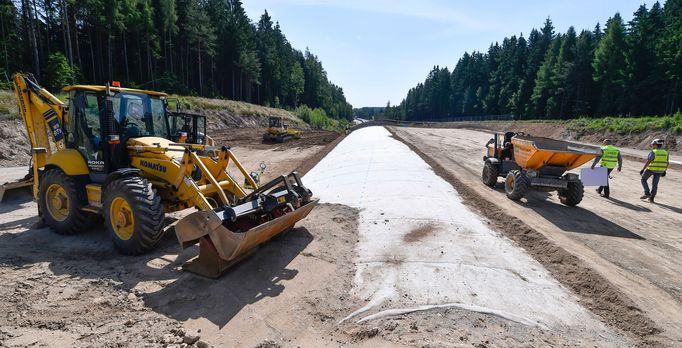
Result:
[[230, 122], [14, 146], [632, 244], [559, 130]]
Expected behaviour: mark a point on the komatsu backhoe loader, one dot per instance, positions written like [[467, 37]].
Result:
[[111, 153]]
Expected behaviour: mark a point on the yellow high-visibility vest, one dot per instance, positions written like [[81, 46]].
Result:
[[660, 162], [609, 156]]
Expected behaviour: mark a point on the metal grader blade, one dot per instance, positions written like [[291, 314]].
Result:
[[223, 239]]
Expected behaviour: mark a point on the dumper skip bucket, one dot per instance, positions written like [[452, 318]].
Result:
[[219, 247]]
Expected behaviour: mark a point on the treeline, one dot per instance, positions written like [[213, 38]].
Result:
[[200, 47], [627, 69], [368, 112]]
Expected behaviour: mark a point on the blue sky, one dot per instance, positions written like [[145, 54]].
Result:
[[378, 49]]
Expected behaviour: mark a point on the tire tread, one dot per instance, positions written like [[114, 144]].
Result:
[[80, 220], [148, 214]]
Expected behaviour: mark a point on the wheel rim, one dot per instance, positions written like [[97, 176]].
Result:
[[121, 218], [57, 202], [510, 183]]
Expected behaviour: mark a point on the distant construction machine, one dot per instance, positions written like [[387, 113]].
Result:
[[120, 154], [538, 163], [280, 132]]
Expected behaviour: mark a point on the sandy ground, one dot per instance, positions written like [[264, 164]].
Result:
[[78, 291], [430, 252], [634, 246], [295, 291], [252, 138]]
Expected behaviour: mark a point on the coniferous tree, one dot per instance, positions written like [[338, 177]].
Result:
[[671, 51], [545, 82], [562, 97], [633, 69], [585, 86], [644, 71], [203, 47], [610, 68]]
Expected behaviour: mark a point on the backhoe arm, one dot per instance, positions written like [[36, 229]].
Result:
[[41, 111]]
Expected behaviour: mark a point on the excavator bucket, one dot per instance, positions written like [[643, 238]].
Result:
[[228, 234]]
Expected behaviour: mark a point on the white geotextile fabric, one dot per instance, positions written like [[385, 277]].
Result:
[[462, 263]]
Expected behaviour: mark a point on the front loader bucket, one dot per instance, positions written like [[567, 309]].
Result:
[[219, 247], [21, 188]]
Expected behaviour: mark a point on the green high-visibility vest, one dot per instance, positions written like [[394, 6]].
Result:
[[609, 156], [660, 162]]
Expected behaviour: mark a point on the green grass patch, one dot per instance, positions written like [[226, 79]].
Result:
[[8, 105], [317, 119], [9, 109], [625, 125], [236, 107]]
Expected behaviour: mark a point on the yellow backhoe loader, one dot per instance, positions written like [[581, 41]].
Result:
[[117, 153]]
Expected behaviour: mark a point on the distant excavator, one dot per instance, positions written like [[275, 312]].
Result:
[[280, 132], [120, 154]]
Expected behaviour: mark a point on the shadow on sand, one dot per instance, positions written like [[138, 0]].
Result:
[[677, 210], [575, 219], [626, 205], [91, 255]]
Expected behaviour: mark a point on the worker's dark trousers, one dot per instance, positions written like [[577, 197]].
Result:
[[605, 188], [654, 182]]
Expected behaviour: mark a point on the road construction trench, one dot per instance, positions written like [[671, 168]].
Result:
[[420, 246]]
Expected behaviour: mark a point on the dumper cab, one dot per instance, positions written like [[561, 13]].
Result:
[[500, 153]]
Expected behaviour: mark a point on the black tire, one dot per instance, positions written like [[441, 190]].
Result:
[[516, 185], [74, 220], [490, 173], [573, 194], [146, 214]]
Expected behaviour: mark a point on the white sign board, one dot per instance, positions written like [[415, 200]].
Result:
[[594, 177]]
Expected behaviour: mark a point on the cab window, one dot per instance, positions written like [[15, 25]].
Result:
[[85, 132], [139, 115]]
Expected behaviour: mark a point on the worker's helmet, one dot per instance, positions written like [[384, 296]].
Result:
[[606, 141], [658, 141]]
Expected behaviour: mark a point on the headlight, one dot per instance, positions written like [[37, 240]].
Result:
[[572, 177]]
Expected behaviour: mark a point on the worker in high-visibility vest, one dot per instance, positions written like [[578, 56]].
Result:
[[655, 166], [610, 158]]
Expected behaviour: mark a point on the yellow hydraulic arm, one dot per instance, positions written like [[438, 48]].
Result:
[[42, 113]]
